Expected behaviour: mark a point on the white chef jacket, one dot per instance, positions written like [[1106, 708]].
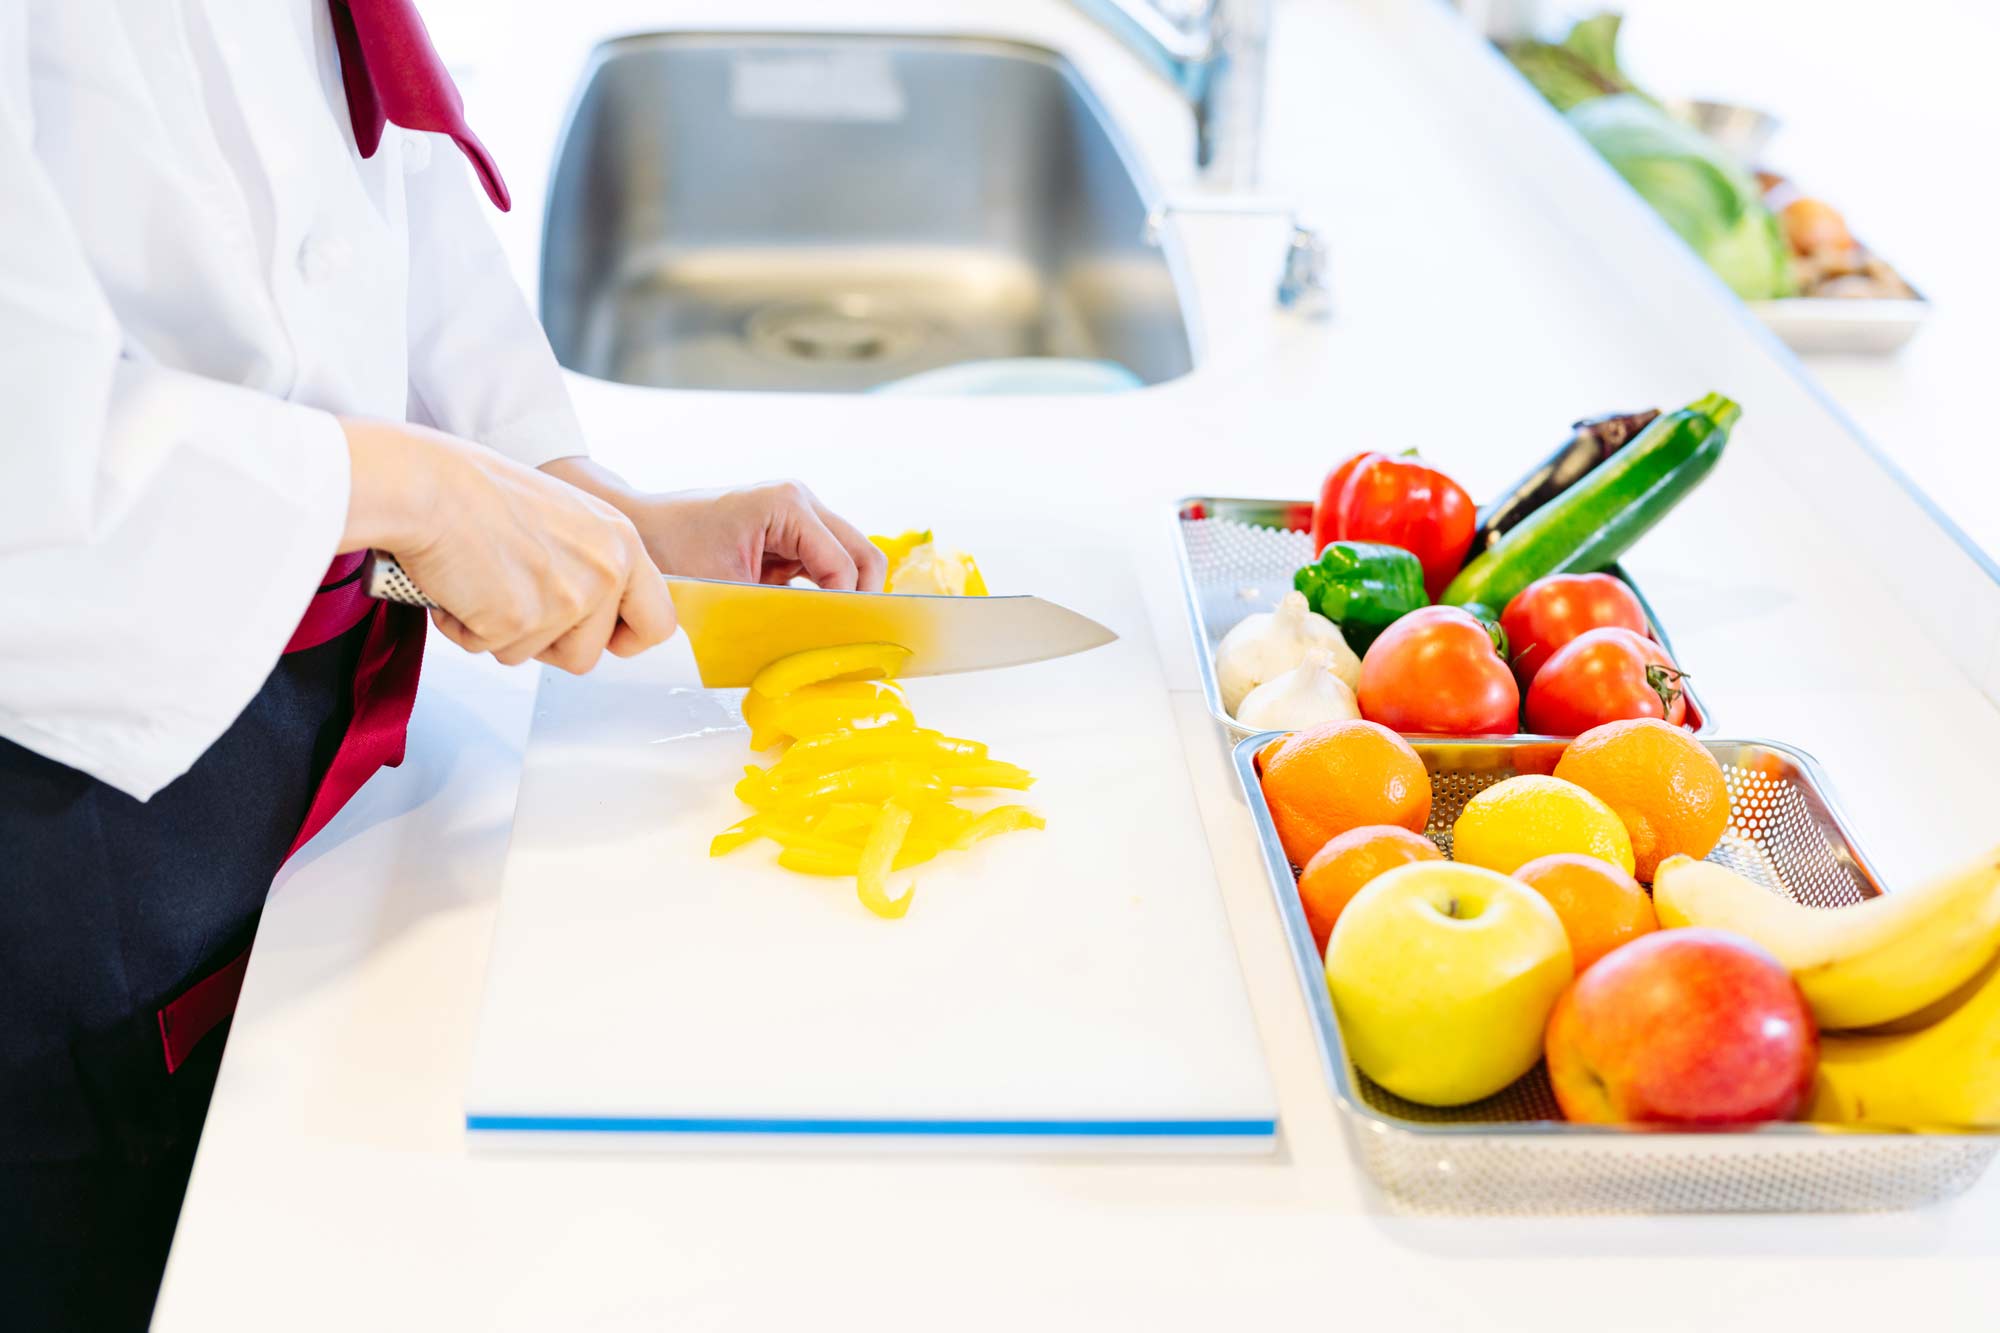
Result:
[[197, 270]]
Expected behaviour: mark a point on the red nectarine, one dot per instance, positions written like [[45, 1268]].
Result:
[[1686, 1027]]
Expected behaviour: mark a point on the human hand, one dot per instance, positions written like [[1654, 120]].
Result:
[[767, 533], [521, 565]]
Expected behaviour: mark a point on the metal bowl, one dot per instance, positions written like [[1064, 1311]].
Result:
[[1741, 131]]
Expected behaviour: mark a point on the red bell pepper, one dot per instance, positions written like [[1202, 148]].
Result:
[[1398, 502]]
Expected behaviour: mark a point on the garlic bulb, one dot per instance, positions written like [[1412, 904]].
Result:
[[1308, 694], [1266, 645]]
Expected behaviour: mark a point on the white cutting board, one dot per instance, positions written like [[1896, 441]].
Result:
[[1060, 989]]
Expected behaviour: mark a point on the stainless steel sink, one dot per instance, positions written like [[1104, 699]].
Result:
[[832, 213]]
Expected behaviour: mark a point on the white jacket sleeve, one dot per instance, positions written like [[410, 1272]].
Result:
[[160, 533], [480, 365]]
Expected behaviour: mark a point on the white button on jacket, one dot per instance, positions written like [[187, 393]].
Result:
[[197, 270]]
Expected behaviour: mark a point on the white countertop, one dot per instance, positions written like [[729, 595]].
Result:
[[1477, 317]]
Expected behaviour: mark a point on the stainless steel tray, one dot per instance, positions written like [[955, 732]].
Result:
[[1841, 326], [1512, 1153], [1238, 557]]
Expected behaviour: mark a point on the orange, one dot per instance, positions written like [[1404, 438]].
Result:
[[1325, 780], [1663, 783], [1601, 907], [1345, 865]]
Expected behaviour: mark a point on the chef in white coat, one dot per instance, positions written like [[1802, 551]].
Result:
[[252, 324]]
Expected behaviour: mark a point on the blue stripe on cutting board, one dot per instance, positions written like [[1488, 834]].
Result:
[[612, 1124]]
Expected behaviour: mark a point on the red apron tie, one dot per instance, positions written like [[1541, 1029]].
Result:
[[391, 72], [385, 688]]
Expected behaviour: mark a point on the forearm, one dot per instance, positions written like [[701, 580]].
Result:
[[393, 483], [593, 478]]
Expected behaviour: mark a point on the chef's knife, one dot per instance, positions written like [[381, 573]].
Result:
[[738, 628]]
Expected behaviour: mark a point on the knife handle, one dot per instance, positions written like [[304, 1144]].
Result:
[[383, 579]]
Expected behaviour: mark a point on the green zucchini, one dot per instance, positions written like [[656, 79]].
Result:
[[1591, 525]]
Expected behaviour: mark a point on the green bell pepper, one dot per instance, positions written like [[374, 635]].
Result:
[[1363, 587]]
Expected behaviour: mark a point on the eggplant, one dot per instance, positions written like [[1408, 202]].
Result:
[[1591, 441]]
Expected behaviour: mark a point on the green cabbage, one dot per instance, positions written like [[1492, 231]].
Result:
[[1696, 187]]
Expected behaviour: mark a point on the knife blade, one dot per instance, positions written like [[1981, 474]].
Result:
[[736, 629]]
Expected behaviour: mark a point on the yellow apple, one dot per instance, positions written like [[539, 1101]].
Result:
[[1443, 976]]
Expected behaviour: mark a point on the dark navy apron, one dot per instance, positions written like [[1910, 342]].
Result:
[[124, 933]]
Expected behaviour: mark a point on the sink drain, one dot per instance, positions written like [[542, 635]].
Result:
[[847, 330]]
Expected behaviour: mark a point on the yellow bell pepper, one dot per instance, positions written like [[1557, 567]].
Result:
[[897, 549], [851, 661], [917, 564]]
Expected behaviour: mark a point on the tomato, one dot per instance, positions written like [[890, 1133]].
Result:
[[1604, 675], [1551, 611], [1435, 672], [1398, 502]]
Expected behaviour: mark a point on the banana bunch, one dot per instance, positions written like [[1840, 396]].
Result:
[[1939, 1068], [1919, 969]]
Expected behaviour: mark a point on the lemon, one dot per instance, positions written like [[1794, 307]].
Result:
[[1513, 822]]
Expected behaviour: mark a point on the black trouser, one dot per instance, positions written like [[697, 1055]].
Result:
[[109, 909]]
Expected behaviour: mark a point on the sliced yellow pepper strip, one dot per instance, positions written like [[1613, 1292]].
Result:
[[848, 863], [739, 834], [991, 773], [843, 818], [1000, 819], [877, 858], [754, 789], [819, 710], [849, 661], [941, 821], [820, 863], [889, 779], [794, 834], [847, 747]]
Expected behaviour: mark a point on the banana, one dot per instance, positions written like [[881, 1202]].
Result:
[[1858, 966], [1943, 1075]]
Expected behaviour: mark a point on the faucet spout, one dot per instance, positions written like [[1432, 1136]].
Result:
[[1212, 52]]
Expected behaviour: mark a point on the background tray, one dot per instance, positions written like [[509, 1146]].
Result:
[[1511, 1153], [1238, 557], [1859, 327]]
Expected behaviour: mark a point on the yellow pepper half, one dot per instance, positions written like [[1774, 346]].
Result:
[[917, 564], [897, 549]]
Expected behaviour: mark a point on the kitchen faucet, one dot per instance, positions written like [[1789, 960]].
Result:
[[1213, 52]]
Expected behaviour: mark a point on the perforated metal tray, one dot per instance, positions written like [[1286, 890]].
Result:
[[1238, 557], [1512, 1153]]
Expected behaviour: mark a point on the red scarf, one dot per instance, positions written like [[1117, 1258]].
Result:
[[392, 73]]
